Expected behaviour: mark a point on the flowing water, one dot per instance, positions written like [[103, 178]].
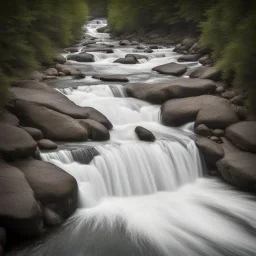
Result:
[[140, 198]]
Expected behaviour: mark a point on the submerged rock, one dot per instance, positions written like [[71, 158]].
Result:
[[144, 134], [238, 168], [53, 187], [179, 88], [20, 212], [129, 60], [243, 135], [212, 111], [15, 143]]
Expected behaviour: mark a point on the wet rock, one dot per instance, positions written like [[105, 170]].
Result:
[[141, 47], [179, 88], [82, 57], [203, 130], [134, 43], [59, 59], [124, 42], [95, 130], [44, 95], [238, 100], [136, 56], [51, 72], [36, 134], [243, 135], [171, 69], [153, 47], [53, 187], [144, 134], [189, 58], [211, 151], [72, 49], [238, 169], [15, 143], [114, 78], [177, 48], [8, 118], [79, 75], [218, 133], [20, 213], [47, 144], [148, 50], [126, 61], [54, 125], [212, 111], [206, 73]]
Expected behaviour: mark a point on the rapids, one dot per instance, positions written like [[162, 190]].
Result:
[[138, 198]]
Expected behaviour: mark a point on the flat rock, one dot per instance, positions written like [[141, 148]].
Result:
[[82, 57], [114, 78], [213, 111], [96, 131], [126, 61], [189, 58], [44, 95], [20, 213], [54, 125], [47, 144], [8, 118], [206, 73], [53, 187], [243, 135], [211, 151], [15, 143], [238, 168], [171, 69], [144, 134], [179, 88]]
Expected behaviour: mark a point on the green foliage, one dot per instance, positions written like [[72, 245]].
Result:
[[32, 31], [230, 30]]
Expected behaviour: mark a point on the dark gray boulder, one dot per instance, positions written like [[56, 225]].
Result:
[[144, 134], [82, 57], [20, 213], [179, 88], [189, 58], [47, 144], [54, 125], [15, 143], [243, 135], [126, 61], [206, 73], [95, 130], [171, 69], [124, 42], [238, 169], [211, 151], [114, 78], [53, 187], [212, 111]]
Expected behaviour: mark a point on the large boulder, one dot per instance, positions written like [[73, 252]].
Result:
[[36, 134], [96, 131], [243, 135], [189, 58], [179, 88], [54, 188], [54, 125], [15, 143], [8, 118], [238, 168], [211, 151], [171, 69], [212, 111], [82, 57], [206, 73], [20, 213], [44, 95], [126, 61], [144, 134]]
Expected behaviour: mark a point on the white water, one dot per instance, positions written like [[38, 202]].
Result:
[[138, 198]]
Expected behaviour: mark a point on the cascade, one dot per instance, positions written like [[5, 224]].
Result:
[[139, 198]]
